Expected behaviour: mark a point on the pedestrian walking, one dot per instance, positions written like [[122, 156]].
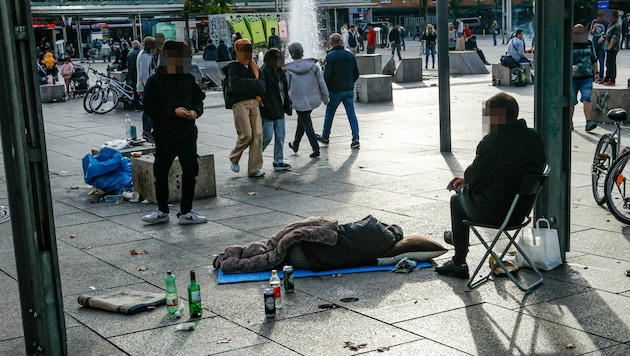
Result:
[[394, 41], [494, 30], [145, 67]]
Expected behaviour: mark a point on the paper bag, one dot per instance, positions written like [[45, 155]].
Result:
[[541, 245], [461, 44]]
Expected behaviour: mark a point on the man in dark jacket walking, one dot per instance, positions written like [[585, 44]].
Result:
[[484, 195], [395, 40], [340, 73], [174, 101]]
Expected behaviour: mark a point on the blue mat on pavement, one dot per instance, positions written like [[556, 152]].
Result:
[[227, 278]]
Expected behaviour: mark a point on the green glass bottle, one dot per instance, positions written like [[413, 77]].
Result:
[[194, 297]]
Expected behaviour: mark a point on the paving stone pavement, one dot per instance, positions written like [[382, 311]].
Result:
[[398, 175]]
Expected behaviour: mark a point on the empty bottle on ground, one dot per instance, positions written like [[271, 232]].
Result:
[[274, 281], [172, 301], [194, 297]]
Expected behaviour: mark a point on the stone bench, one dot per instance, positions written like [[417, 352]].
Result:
[[369, 63], [409, 70], [501, 75], [466, 62], [52, 92], [144, 181], [606, 98], [373, 88]]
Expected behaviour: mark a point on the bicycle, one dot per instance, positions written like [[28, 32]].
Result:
[[607, 156], [107, 97], [97, 86], [617, 197]]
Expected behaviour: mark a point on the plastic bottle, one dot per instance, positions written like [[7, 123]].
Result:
[[172, 301], [194, 297], [117, 198], [128, 127], [274, 281]]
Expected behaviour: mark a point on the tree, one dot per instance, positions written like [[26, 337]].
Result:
[[208, 6]]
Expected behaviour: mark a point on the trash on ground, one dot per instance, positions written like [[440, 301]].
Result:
[[124, 301], [143, 268], [4, 214], [72, 236], [405, 265], [74, 187], [383, 349], [570, 345], [628, 273], [251, 193], [190, 326], [224, 340], [350, 345], [134, 252]]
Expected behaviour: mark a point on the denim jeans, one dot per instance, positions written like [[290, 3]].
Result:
[[336, 98], [601, 58], [147, 121], [430, 49], [274, 128]]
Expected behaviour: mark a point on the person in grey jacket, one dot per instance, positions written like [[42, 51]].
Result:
[[308, 90]]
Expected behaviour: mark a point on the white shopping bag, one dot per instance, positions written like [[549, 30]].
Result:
[[541, 245]]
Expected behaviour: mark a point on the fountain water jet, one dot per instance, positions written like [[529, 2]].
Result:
[[303, 27]]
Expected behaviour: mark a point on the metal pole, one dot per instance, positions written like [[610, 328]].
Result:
[[552, 111], [79, 39], [443, 76], [509, 17], [26, 166], [503, 21]]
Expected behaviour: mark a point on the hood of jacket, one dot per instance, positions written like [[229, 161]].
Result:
[[301, 66]]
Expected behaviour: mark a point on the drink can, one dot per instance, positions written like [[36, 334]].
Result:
[[270, 303], [133, 132], [288, 279]]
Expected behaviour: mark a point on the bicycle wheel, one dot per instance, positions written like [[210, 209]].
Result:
[[604, 155], [86, 98], [617, 196], [104, 101]]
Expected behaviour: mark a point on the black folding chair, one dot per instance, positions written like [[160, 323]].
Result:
[[523, 201]]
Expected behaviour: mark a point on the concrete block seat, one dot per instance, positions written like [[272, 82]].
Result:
[[409, 70], [466, 62], [605, 98], [52, 92], [373, 88], [369, 63], [501, 75], [144, 181]]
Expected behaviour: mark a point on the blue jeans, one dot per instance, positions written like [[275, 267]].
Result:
[[494, 37], [274, 128], [601, 58], [147, 121], [430, 49], [336, 98]]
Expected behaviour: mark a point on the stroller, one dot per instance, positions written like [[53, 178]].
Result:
[[79, 84]]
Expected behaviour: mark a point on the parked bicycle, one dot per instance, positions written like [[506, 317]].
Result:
[[608, 168], [107, 97]]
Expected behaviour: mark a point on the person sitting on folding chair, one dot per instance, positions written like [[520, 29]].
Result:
[[504, 156]]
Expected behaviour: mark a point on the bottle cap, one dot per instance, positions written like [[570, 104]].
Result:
[[169, 272]]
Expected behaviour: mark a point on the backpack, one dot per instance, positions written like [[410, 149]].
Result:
[[519, 77], [352, 40], [227, 89]]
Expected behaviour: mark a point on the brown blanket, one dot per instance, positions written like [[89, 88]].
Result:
[[268, 253]]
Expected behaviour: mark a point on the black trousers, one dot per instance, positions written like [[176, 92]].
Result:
[[168, 146], [305, 125], [611, 65]]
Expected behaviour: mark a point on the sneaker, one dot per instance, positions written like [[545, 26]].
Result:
[[191, 218], [590, 125], [314, 154], [293, 147], [322, 140], [148, 136], [355, 144], [156, 217], [258, 174], [453, 270], [610, 83], [448, 237], [281, 167], [235, 167]]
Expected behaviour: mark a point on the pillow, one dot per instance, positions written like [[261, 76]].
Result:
[[415, 247]]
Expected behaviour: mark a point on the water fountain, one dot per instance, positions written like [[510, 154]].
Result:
[[303, 27]]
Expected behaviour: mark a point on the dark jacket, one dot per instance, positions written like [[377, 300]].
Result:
[[243, 83], [340, 70], [210, 53], [165, 92], [223, 54], [274, 105], [131, 65], [503, 158], [275, 42], [394, 35]]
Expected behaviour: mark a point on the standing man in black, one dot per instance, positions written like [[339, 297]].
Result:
[[274, 40], [485, 193], [395, 40]]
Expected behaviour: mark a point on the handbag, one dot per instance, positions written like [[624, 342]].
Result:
[[541, 245], [461, 44]]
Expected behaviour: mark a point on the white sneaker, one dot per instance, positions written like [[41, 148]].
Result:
[[235, 167], [156, 217], [258, 174], [191, 218]]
